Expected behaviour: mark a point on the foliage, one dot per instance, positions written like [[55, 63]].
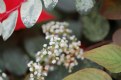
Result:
[[27, 12], [111, 9], [109, 56], [50, 4], [9, 26], [28, 16], [97, 31], [89, 74], [116, 37], [12, 64], [84, 6], [2, 5], [62, 49], [95, 22]]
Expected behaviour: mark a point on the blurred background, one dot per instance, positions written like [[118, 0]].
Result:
[[91, 29]]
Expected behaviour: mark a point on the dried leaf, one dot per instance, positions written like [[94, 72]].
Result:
[[89, 74], [117, 37], [108, 56], [111, 9], [30, 12], [2, 6], [9, 25]]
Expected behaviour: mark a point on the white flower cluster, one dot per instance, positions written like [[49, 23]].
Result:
[[2, 75], [63, 49], [84, 5]]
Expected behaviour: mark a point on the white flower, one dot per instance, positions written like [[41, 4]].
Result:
[[31, 75], [45, 45], [63, 48], [3, 76], [84, 5], [53, 61]]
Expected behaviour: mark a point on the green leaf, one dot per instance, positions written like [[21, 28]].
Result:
[[95, 27], [84, 6], [108, 56], [67, 6], [50, 4], [76, 28], [0, 28], [89, 74], [34, 44], [9, 25], [15, 61], [2, 6], [2, 67], [30, 12]]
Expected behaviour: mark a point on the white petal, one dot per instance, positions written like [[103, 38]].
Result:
[[2, 6], [50, 3], [0, 28], [30, 12], [9, 25]]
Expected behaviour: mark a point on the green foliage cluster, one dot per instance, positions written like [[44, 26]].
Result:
[[96, 28]]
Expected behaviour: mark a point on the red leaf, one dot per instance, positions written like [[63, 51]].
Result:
[[43, 17], [12, 5]]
